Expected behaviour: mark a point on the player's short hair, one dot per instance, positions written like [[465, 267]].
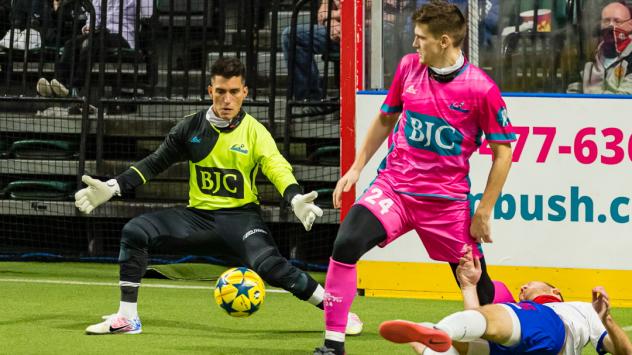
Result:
[[441, 18], [553, 287], [228, 67]]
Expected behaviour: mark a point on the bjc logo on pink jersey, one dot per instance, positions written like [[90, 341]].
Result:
[[433, 134]]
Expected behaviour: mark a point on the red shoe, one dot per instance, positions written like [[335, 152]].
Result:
[[401, 331]]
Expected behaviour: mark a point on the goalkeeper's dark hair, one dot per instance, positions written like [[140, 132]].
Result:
[[228, 67], [442, 18]]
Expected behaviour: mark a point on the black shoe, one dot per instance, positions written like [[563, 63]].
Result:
[[323, 350], [331, 347]]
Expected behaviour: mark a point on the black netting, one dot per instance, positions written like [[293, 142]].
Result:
[[86, 93]]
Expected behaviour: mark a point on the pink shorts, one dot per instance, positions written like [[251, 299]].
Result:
[[443, 225]]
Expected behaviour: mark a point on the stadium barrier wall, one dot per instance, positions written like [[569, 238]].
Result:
[[564, 213]]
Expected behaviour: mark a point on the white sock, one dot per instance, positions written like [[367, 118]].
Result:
[[464, 326], [128, 309], [478, 347], [335, 336], [317, 297], [451, 351]]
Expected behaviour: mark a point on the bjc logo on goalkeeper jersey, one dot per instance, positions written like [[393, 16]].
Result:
[[220, 182], [433, 134]]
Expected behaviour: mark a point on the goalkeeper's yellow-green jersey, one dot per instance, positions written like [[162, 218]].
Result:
[[223, 162]]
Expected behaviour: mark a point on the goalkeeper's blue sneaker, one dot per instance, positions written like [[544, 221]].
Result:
[[115, 324]]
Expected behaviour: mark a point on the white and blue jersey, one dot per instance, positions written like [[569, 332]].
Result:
[[541, 331], [555, 328], [583, 326]]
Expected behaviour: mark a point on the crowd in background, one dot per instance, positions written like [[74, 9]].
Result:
[[596, 38]]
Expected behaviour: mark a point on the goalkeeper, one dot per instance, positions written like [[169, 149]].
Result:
[[225, 148]]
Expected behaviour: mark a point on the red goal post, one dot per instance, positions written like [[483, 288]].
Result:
[[351, 80]]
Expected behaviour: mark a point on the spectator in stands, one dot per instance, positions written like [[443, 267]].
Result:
[[307, 83], [112, 39], [24, 19], [52, 12], [611, 72]]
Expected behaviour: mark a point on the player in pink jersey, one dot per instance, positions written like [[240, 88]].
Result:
[[446, 105]]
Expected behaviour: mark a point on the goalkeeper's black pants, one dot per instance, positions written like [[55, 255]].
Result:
[[238, 235], [361, 231]]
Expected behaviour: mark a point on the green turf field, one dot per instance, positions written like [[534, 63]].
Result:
[[46, 306]]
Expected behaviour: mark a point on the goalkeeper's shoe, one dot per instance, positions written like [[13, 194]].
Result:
[[115, 324], [354, 324]]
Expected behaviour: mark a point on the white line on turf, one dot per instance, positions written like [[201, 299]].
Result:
[[90, 283], [628, 328]]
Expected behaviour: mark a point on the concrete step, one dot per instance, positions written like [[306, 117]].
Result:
[[133, 208], [258, 108], [137, 126], [264, 59]]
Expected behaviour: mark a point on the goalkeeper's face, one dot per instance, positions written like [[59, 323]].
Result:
[[228, 95]]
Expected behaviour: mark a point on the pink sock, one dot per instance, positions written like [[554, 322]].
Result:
[[340, 290]]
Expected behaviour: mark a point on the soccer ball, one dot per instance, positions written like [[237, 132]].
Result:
[[240, 292]]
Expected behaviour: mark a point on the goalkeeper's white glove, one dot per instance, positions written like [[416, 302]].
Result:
[[305, 209], [96, 194]]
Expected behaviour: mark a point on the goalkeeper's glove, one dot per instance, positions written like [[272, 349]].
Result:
[[305, 209], [96, 194]]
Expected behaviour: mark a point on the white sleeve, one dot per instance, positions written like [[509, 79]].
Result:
[[597, 329]]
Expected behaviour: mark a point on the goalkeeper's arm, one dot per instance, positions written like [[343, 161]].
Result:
[[98, 192]]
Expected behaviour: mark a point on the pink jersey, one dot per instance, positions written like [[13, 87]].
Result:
[[440, 127]]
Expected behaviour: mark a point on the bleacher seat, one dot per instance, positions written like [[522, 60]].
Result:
[[39, 190], [4, 146], [43, 149], [324, 199], [327, 156]]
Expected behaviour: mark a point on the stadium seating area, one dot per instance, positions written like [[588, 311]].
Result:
[[139, 94]]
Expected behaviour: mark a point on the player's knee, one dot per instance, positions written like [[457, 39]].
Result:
[[271, 268], [500, 325], [348, 247], [133, 252], [134, 236]]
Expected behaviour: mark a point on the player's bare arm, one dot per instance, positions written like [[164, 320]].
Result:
[[380, 128], [469, 273], [480, 228], [616, 342]]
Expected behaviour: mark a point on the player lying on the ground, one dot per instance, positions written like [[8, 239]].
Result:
[[225, 147], [540, 323]]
